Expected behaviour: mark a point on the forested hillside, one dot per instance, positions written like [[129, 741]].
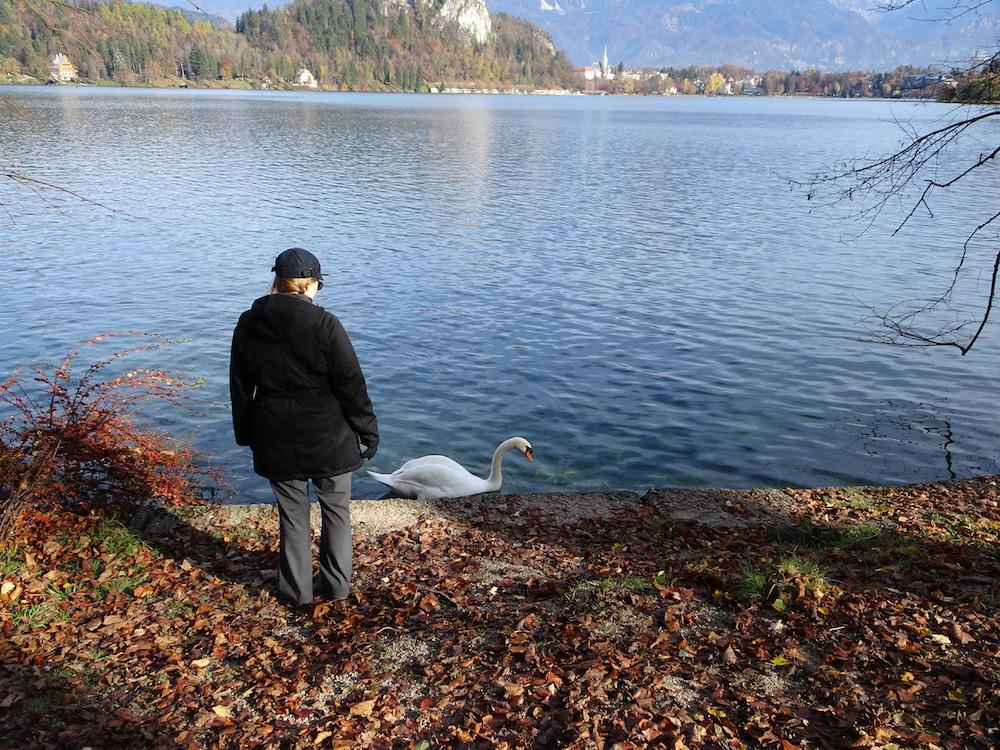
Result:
[[347, 44]]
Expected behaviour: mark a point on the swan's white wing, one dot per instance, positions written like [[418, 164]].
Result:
[[444, 460]]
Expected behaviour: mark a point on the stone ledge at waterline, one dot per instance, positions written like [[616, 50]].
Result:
[[708, 506]]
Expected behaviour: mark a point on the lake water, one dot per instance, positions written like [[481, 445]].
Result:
[[630, 283]]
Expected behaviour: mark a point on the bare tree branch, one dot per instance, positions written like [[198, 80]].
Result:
[[923, 162], [39, 188], [43, 10], [958, 8]]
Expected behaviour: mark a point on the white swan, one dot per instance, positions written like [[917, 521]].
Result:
[[433, 477]]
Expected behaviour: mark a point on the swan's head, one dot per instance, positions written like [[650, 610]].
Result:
[[525, 447]]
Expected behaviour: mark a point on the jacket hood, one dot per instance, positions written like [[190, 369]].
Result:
[[277, 317]]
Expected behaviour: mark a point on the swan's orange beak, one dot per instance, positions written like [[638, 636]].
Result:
[[528, 454]]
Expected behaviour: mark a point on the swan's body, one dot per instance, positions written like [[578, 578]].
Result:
[[433, 477]]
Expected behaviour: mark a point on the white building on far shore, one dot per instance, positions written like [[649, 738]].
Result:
[[600, 71], [62, 69], [305, 78]]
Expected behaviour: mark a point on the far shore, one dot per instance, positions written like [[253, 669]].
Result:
[[457, 89]]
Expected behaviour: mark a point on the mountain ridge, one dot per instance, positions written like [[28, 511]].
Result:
[[778, 34]]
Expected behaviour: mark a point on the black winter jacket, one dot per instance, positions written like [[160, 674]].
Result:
[[299, 397]]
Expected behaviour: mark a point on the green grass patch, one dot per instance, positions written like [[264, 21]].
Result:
[[39, 615], [43, 704], [61, 592], [755, 582], [818, 537], [953, 527], [179, 609], [619, 583], [236, 534], [120, 583], [857, 499], [81, 543], [11, 561], [857, 536], [814, 574], [773, 582], [116, 539], [73, 567], [988, 600]]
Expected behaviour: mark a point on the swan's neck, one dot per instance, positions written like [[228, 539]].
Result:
[[496, 472]]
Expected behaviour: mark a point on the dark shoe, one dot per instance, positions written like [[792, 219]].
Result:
[[294, 606], [323, 592]]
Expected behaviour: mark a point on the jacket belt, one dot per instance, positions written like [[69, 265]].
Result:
[[310, 393]]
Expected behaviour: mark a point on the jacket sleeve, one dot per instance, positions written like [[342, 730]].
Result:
[[240, 387], [348, 384]]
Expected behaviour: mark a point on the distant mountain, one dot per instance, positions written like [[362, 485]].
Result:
[[227, 9], [778, 34], [192, 15]]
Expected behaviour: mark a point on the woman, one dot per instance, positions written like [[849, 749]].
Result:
[[300, 402]]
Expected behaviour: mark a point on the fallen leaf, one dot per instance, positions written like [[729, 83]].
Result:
[[364, 708], [961, 635], [429, 603], [223, 711], [11, 699], [201, 663], [512, 689]]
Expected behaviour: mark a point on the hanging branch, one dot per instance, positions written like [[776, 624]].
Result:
[[922, 163], [958, 8]]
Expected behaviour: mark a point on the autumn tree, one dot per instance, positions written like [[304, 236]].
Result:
[[715, 84], [909, 179]]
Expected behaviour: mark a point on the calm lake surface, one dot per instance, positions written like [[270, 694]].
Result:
[[629, 283]]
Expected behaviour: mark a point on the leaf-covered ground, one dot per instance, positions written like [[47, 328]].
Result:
[[829, 618]]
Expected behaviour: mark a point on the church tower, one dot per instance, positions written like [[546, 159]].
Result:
[[604, 63]]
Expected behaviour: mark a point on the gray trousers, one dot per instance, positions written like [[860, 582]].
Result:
[[295, 578]]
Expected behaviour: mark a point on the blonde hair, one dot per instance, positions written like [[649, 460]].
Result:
[[284, 285]]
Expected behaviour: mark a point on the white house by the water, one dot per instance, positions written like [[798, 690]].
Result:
[[305, 78], [62, 69]]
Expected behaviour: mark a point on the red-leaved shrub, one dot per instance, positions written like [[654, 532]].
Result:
[[73, 440]]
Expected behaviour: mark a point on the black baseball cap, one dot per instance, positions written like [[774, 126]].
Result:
[[297, 263]]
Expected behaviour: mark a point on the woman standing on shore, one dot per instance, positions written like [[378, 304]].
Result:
[[300, 402]]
